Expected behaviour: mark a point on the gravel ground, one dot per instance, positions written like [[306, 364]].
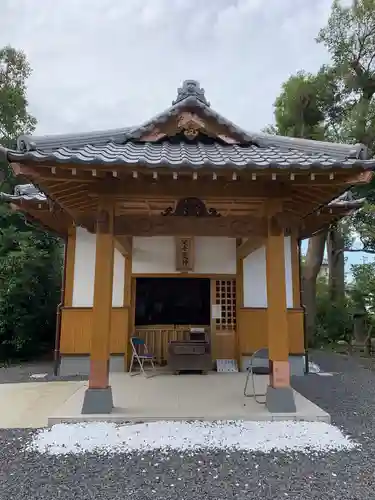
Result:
[[349, 396]]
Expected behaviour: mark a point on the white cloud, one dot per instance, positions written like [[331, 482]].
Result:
[[111, 63]]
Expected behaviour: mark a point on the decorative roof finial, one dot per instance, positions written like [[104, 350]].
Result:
[[191, 88]]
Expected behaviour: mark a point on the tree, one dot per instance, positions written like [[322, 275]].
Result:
[[337, 104], [310, 271], [14, 117], [30, 267], [302, 109], [363, 287], [332, 323], [297, 109], [349, 37], [30, 259]]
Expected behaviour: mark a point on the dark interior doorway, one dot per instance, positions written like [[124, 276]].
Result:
[[172, 301]]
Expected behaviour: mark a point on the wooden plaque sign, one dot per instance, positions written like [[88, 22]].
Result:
[[185, 254]]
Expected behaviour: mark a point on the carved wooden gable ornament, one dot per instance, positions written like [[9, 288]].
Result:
[[191, 207]]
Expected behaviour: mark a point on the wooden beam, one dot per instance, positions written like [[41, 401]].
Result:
[[233, 226], [57, 173], [249, 246], [124, 244], [186, 187], [76, 173], [230, 226]]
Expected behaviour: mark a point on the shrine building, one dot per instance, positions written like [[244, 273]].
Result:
[[186, 220]]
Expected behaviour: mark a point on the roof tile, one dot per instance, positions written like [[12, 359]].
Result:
[[189, 96], [195, 155]]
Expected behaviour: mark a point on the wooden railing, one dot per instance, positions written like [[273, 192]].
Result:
[[157, 338]]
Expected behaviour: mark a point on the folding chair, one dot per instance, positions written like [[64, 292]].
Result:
[[140, 354], [261, 354]]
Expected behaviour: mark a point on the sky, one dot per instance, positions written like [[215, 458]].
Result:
[[101, 64]]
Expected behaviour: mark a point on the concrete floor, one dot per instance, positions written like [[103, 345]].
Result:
[[216, 396], [28, 405]]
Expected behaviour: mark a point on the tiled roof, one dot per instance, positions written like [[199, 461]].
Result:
[[347, 200], [27, 192], [257, 150], [194, 155]]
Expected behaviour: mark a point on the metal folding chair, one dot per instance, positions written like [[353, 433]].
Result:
[[140, 355], [261, 354]]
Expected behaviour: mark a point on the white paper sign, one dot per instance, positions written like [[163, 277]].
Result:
[[216, 311], [226, 366]]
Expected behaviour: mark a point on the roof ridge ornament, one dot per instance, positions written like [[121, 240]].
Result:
[[190, 88]]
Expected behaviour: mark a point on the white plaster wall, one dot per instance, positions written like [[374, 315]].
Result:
[[84, 269], [254, 277], [84, 272], [118, 279], [215, 255], [288, 271], [154, 255], [157, 255]]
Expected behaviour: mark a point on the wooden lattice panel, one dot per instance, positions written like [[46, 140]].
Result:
[[226, 299]]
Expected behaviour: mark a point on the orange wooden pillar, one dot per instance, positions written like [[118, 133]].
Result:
[[280, 398], [98, 396], [128, 302]]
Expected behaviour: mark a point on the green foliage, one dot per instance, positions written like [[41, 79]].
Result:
[[30, 258], [298, 110], [363, 225], [349, 37], [14, 117], [309, 106], [334, 321], [30, 283], [363, 288], [338, 104]]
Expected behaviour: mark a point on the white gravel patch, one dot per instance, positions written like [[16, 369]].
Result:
[[313, 367], [38, 375], [104, 438]]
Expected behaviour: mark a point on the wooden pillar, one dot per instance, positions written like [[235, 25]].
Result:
[[239, 305], [279, 395], [98, 397], [128, 303]]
